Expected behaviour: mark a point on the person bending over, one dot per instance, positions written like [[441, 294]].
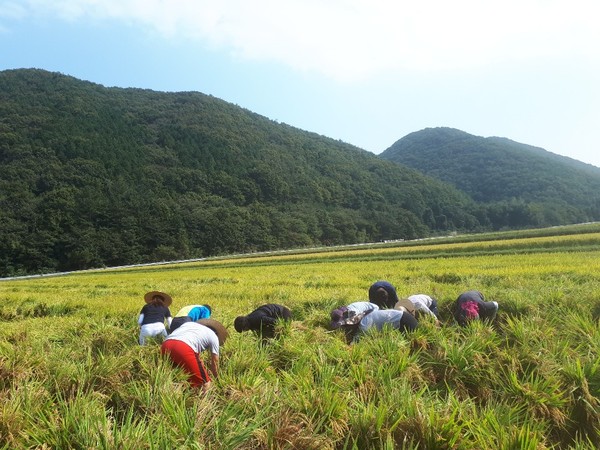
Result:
[[420, 305], [185, 345], [190, 313], [340, 315], [383, 294], [400, 320], [471, 305], [262, 320], [153, 315]]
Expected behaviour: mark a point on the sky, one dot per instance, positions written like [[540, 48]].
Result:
[[366, 72]]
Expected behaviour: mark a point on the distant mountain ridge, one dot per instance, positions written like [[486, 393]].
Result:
[[498, 169], [93, 176]]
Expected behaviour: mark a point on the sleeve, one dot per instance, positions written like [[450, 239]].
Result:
[[169, 320], [419, 306], [259, 319], [271, 316], [140, 319], [214, 344]]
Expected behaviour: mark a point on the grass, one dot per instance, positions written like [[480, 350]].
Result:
[[73, 376]]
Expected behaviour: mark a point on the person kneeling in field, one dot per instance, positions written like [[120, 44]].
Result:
[[420, 305], [190, 313], [262, 320], [187, 342], [471, 305], [152, 316], [340, 315], [383, 294], [398, 319]]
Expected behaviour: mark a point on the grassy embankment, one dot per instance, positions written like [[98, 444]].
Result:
[[73, 376]]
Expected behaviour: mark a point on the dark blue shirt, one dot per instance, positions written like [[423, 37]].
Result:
[[154, 313]]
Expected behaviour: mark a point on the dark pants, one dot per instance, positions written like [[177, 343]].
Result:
[[408, 323]]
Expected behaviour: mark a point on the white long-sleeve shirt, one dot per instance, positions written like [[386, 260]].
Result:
[[422, 303]]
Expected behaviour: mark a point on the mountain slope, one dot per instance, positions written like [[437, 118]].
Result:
[[94, 176], [500, 170]]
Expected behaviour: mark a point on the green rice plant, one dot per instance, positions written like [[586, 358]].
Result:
[[179, 415], [21, 407], [579, 327], [583, 384], [445, 423], [231, 428], [73, 375], [541, 394], [583, 443], [130, 432], [366, 423], [459, 361], [79, 421]]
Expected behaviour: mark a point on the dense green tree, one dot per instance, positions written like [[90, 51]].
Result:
[[93, 176], [519, 185]]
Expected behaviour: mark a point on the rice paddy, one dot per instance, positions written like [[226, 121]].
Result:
[[73, 376]]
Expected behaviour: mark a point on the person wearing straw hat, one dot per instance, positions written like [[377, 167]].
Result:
[[185, 345], [383, 294], [418, 305], [190, 313], [471, 305], [153, 315], [263, 319]]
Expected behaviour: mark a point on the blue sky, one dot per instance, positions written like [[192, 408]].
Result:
[[367, 72]]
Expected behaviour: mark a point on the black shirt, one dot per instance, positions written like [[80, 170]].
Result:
[[263, 318], [154, 313]]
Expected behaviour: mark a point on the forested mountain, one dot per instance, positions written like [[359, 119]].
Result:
[[93, 176], [519, 184]]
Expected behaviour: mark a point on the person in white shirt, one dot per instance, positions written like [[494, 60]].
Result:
[[341, 314], [184, 346], [420, 304], [397, 319]]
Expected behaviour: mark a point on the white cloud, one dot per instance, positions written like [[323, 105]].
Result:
[[12, 10], [351, 39]]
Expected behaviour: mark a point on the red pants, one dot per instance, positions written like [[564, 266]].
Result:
[[182, 355]]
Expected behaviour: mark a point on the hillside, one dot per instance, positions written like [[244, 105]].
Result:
[[95, 176], [498, 171]]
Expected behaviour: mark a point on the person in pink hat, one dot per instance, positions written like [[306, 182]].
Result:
[[471, 305]]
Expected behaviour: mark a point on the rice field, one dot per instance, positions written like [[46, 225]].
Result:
[[73, 376]]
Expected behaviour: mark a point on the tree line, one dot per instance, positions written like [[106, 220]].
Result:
[[94, 176], [518, 185]]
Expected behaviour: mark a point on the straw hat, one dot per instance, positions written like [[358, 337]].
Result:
[[217, 327], [406, 304], [166, 297]]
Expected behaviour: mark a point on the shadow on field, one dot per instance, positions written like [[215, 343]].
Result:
[[596, 311]]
